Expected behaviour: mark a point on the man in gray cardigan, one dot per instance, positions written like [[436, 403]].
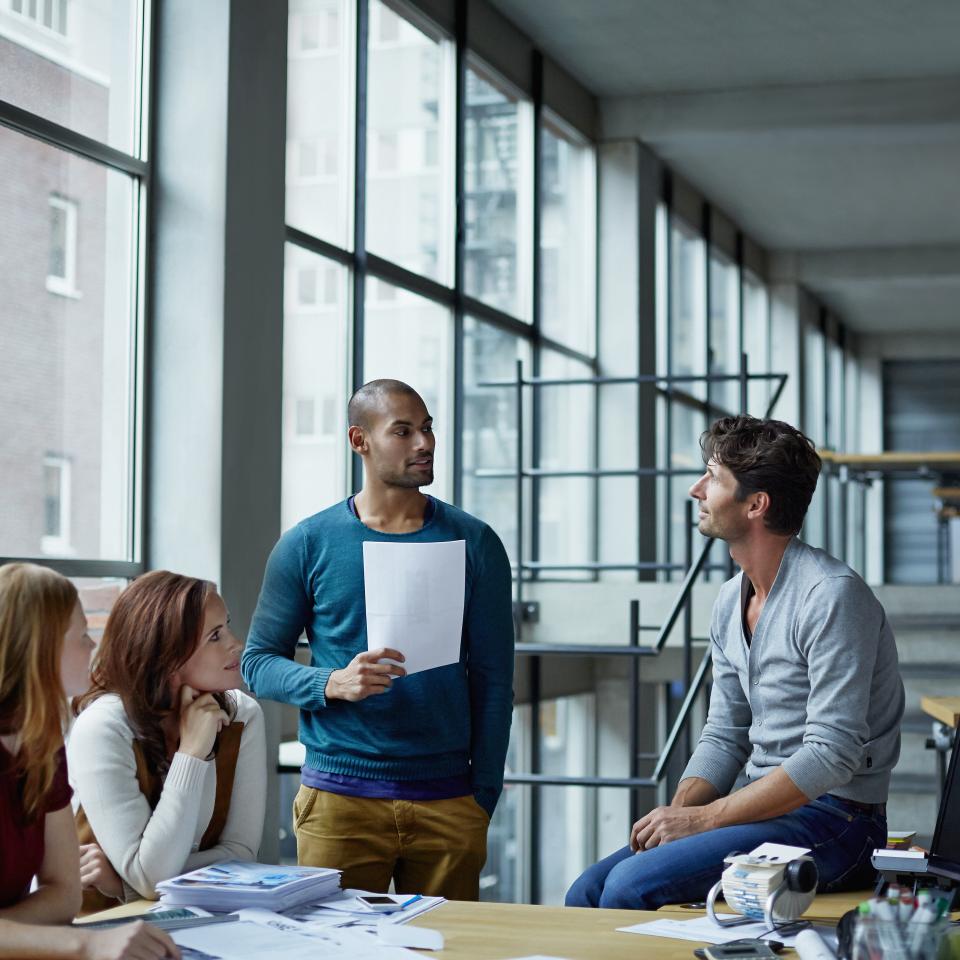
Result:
[[806, 703]]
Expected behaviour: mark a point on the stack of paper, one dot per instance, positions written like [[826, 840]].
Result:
[[235, 884], [344, 909]]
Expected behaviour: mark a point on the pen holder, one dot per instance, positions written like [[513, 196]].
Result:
[[875, 939]]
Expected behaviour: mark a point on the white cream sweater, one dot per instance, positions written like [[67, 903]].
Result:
[[146, 846]]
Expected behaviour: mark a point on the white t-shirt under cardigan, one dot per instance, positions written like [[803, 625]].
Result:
[[146, 846]]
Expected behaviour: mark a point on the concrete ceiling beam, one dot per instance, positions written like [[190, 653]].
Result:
[[882, 110]]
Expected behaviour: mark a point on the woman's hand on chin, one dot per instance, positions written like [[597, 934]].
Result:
[[201, 719]]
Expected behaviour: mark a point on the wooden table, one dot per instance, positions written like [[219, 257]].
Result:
[[944, 709], [503, 931]]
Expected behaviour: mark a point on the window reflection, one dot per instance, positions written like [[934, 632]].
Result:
[[497, 175], [410, 127], [315, 388]]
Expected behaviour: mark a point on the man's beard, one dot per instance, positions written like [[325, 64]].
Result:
[[407, 481]]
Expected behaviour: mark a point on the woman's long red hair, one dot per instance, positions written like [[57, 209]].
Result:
[[153, 630], [35, 609]]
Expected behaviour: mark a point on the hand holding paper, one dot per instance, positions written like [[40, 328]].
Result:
[[365, 675]]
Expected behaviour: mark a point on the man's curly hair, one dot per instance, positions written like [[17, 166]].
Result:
[[769, 456]]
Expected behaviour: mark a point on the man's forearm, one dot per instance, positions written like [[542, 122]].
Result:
[[694, 792], [770, 796]]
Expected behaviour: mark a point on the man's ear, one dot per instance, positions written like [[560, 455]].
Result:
[[759, 505], [358, 440]]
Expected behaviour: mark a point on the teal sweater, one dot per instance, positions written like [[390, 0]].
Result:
[[445, 722]]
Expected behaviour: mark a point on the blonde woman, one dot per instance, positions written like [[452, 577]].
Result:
[[44, 659]]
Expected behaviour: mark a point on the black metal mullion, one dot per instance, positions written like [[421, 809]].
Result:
[[668, 425], [377, 266], [359, 214], [320, 247], [142, 445], [706, 231], [741, 339], [459, 244], [57, 135], [124, 569], [536, 404]]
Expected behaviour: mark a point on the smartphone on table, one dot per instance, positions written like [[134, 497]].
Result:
[[382, 903], [739, 950]]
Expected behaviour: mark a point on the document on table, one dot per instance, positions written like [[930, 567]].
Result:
[[414, 600], [704, 930], [260, 933]]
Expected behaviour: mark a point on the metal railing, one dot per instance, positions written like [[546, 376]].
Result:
[[694, 680]]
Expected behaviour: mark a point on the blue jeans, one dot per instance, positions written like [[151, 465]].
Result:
[[840, 838]]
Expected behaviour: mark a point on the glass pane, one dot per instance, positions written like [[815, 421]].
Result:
[[565, 513], [410, 338], [835, 404], [568, 739], [75, 64], [497, 176], [688, 318], [320, 111], [724, 330], [814, 387], [686, 426], [504, 877], [568, 240], [814, 394], [315, 386], [756, 342], [409, 145], [66, 375], [97, 597], [490, 426]]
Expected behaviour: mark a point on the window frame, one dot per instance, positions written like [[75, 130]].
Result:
[[136, 165]]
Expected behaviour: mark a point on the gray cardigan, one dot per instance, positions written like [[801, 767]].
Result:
[[817, 692]]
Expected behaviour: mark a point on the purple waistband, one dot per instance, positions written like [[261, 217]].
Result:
[[443, 788]]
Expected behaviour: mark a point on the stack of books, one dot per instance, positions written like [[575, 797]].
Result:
[[235, 884]]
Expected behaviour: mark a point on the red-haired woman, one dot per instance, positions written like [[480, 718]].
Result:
[[44, 658], [167, 756]]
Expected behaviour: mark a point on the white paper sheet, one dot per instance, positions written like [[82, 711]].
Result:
[[420, 938], [704, 930], [414, 600], [244, 940]]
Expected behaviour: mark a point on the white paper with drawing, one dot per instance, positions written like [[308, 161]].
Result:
[[414, 599]]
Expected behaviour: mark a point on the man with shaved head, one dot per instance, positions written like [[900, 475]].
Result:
[[402, 774]]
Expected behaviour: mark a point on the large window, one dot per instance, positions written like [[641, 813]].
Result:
[[390, 274], [70, 313]]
